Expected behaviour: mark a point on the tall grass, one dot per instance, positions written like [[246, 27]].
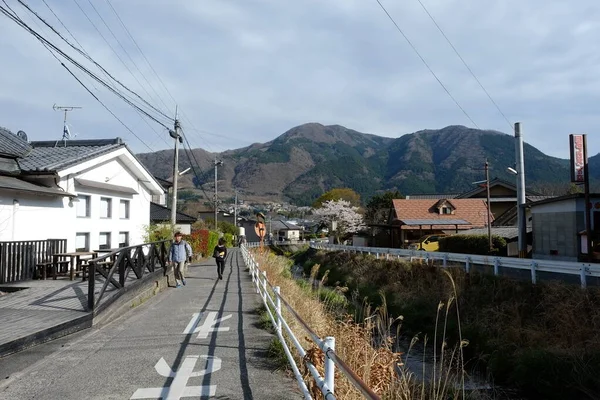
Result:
[[366, 345]]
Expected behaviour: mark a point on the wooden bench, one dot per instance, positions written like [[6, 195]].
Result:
[[43, 268]]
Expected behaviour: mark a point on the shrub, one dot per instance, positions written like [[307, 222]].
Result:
[[157, 232], [472, 244], [228, 239], [203, 241]]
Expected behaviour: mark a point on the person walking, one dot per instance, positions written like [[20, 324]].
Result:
[[180, 253], [219, 254]]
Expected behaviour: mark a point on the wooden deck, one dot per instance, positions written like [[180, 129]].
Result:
[[44, 310]]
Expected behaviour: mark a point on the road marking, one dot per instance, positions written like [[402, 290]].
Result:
[[179, 387], [207, 326]]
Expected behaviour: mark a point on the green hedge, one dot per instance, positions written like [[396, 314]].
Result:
[[472, 244]]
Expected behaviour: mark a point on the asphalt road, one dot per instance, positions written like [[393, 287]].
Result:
[[199, 341]]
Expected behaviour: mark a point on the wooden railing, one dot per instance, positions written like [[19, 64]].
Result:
[[18, 259], [115, 268]]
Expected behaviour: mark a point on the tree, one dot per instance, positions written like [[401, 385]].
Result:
[[574, 189], [379, 206], [342, 216], [346, 194]]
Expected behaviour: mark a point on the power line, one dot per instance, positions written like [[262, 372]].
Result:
[[426, 64], [52, 49], [42, 39], [120, 59], [128, 56], [465, 63], [106, 74]]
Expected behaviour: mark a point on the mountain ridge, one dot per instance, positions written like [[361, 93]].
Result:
[[309, 159]]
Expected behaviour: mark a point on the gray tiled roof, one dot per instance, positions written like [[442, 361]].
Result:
[[160, 213], [11, 145], [14, 184], [58, 155]]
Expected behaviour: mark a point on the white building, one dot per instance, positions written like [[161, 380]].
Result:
[[94, 193]]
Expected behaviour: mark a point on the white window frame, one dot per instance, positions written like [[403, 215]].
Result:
[[108, 240], [127, 204], [88, 200], [86, 236], [108, 202], [126, 237]]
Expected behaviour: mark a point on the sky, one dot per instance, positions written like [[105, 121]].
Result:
[[246, 71]]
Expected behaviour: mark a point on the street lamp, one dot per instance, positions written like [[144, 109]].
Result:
[[521, 215], [487, 185]]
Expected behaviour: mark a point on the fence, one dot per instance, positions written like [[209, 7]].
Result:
[[275, 300], [583, 270], [147, 257], [18, 259]]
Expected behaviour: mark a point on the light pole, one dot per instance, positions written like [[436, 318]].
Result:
[[217, 163]]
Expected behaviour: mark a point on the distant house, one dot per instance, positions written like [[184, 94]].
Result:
[[94, 193], [411, 219], [161, 215], [276, 230], [503, 199]]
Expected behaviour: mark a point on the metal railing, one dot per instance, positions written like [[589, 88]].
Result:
[[583, 270], [147, 257], [274, 301], [19, 258]]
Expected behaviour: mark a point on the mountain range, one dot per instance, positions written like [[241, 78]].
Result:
[[310, 159]]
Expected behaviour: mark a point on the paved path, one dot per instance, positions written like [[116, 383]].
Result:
[[198, 341]]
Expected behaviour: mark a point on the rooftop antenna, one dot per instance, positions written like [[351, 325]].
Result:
[[66, 133]]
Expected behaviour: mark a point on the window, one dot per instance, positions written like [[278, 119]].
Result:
[[83, 206], [104, 242], [82, 242], [123, 239], [105, 207], [124, 209], [446, 210]]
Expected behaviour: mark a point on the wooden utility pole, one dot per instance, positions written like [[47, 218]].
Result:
[[175, 135], [489, 216], [217, 163]]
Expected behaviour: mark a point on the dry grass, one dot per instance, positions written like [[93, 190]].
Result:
[[366, 347]]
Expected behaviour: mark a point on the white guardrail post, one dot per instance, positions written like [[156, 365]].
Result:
[[277, 291], [329, 365]]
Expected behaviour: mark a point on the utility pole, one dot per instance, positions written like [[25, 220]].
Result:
[[175, 135], [521, 192], [217, 163], [235, 212], [489, 219], [66, 134]]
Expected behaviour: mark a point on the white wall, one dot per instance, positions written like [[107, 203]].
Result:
[[45, 217], [186, 229], [33, 217]]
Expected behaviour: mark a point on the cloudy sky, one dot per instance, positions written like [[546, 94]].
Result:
[[245, 71]]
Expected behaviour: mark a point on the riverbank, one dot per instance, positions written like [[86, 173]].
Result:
[[542, 339]]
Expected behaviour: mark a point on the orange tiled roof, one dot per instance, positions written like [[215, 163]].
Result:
[[470, 210]]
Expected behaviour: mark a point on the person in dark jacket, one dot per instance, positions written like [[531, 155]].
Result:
[[220, 253]]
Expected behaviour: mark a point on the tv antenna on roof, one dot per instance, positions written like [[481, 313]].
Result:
[[66, 133]]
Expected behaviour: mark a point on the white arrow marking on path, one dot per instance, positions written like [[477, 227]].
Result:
[[179, 387], [213, 364], [207, 326]]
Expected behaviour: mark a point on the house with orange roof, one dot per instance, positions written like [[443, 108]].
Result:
[[411, 219]]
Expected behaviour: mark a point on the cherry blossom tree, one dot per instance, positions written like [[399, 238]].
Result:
[[341, 217]]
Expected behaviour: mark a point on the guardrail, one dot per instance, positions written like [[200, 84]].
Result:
[[584, 270], [274, 301], [147, 257]]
